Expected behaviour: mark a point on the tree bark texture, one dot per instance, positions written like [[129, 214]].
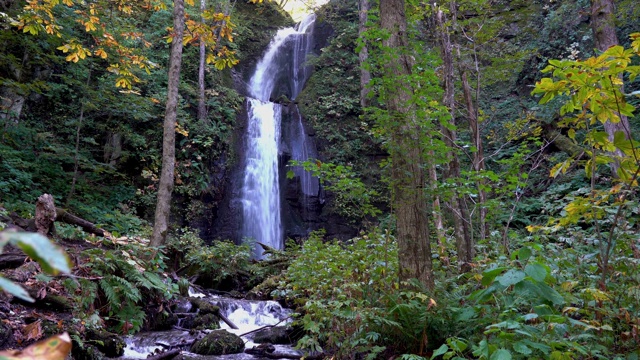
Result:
[[407, 173], [604, 35], [202, 103], [464, 242], [11, 104], [76, 155], [365, 75], [45, 214], [478, 155], [165, 187], [113, 148]]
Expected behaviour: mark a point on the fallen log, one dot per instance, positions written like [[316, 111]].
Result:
[[67, 217], [11, 257], [47, 300], [227, 321], [165, 355], [46, 216], [274, 355]]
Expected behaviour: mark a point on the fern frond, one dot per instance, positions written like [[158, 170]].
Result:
[[154, 281], [110, 292], [129, 290]]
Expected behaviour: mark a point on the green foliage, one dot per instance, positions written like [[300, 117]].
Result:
[[222, 265], [543, 302], [330, 101], [51, 258], [339, 286], [130, 280], [350, 302], [354, 200]]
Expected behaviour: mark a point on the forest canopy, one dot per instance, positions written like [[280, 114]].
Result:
[[476, 165]]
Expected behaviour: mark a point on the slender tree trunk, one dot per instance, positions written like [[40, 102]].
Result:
[[76, 155], [436, 210], [113, 148], [464, 242], [165, 187], [478, 155], [604, 34], [365, 75], [202, 101], [407, 173]]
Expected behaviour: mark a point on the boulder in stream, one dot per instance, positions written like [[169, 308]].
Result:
[[274, 335], [204, 322], [219, 342], [108, 343]]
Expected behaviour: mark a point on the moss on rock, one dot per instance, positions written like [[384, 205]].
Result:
[[108, 343], [219, 342], [206, 322], [204, 307], [87, 352]]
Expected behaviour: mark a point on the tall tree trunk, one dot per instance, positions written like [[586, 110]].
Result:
[[165, 187], [604, 35], [76, 155], [113, 148], [407, 173], [478, 155], [436, 208], [202, 103], [464, 242], [365, 75]]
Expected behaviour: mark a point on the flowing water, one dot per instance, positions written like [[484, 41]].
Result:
[[245, 314], [285, 58], [261, 209]]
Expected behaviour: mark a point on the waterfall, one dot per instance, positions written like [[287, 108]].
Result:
[[260, 188], [302, 149], [302, 46]]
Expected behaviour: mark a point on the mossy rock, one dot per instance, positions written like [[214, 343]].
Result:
[[204, 307], [108, 343], [219, 342], [206, 321], [86, 352], [274, 335], [162, 321]]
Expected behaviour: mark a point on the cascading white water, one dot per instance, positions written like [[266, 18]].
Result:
[[302, 47], [260, 188], [302, 150], [260, 191], [247, 315]]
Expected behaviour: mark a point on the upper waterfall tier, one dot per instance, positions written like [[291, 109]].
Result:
[[283, 64], [277, 62]]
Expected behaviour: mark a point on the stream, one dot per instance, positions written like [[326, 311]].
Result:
[[247, 315]]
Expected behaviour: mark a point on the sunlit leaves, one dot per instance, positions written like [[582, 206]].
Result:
[[100, 53], [592, 89], [560, 168], [198, 32], [51, 258], [75, 51], [56, 347]]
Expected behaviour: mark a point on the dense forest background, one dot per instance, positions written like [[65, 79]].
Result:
[[527, 239]]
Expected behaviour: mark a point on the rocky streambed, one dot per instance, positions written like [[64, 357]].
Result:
[[218, 327]]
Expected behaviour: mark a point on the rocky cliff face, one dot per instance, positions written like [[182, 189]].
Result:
[[302, 199]]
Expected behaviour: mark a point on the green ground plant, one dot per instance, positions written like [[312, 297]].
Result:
[[120, 286]]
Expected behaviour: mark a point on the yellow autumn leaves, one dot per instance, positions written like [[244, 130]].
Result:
[[107, 41]]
